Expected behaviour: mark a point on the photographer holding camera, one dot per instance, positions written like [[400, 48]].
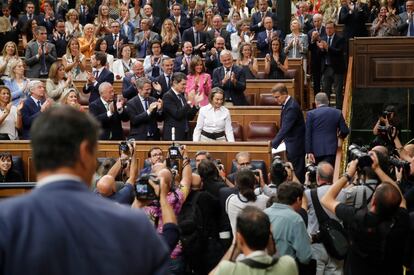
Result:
[[386, 129], [379, 232]]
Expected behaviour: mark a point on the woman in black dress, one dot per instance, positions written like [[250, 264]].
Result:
[[247, 61], [276, 63], [7, 174]]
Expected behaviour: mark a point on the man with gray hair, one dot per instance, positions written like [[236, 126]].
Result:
[[314, 36], [39, 54], [129, 83], [323, 126], [144, 38], [109, 113], [231, 79], [35, 104]]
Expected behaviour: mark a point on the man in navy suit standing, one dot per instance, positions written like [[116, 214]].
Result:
[[115, 39], [99, 75], [109, 113], [69, 229], [257, 23], [316, 35], [34, 105], [144, 111], [323, 126], [292, 130]]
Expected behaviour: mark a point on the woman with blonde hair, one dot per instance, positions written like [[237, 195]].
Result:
[[208, 19], [10, 116], [198, 81], [103, 21], [57, 81], [127, 26], [113, 6], [88, 41], [72, 26], [9, 54], [240, 7], [17, 82], [74, 61], [296, 43], [247, 61], [70, 96], [170, 39]]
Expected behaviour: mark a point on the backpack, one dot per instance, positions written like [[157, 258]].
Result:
[[332, 233]]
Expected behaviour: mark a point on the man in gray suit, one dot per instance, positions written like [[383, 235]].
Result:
[[40, 55], [406, 24], [144, 38]]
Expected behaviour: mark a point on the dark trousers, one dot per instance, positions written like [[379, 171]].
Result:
[[328, 158], [330, 80], [298, 163], [316, 79]]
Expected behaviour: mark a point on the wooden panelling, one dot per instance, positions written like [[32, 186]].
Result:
[[220, 150]]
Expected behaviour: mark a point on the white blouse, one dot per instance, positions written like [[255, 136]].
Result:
[[9, 124], [213, 121]]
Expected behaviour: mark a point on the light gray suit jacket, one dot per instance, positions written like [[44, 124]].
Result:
[[139, 40], [33, 62]]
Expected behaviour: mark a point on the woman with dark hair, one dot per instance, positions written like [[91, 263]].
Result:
[[152, 61], [245, 182], [387, 128], [214, 120], [28, 31], [276, 63], [384, 25], [124, 63], [102, 46], [198, 81], [7, 173], [10, 116], [74, 61], [243, 34]]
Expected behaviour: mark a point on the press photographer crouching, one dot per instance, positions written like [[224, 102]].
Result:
[[378, 233], [147, 190], [386, 129]]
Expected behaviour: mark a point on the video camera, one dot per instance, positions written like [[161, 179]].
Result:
[[361, 154], [144, 190]]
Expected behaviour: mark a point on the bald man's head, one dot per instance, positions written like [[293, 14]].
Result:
[[324, 173], [106, 186]]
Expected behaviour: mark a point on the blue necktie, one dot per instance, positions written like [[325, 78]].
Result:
[[410, 28]]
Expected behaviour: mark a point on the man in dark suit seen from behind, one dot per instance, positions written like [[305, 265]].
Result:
[[182, 62], [292, 130], [217, 31], [34, 105], [196, 36], [257, 22], [231, 79], [62, 213], [109, 112], [213, 55], [144, 111], [129, 83], [99, 75], [323, 126], [332, 49], [115, 39], [178, 111], [162, 83], [315, 35]]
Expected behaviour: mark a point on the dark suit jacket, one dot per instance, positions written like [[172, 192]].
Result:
[[188, 35], [354, 22], [164, 87], [142, 123], [336, 54], [316, 57], [156, 24], [292, 129], [235, 91], [30, 111], [176, 115], [105, 76], [73, 221], [262, 44], [111, 126], [212, 63], [178, 61], [322, 125], [110, 42], [257, 18], [60, 44], [48, 24], [23, 20], [129, 90], [184, 23], [223, 33]]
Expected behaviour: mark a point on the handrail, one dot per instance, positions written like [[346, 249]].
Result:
[[341, 152]]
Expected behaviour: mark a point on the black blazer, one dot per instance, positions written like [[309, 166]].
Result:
[[184, 23], [140, 122], [336, 54], [314, 49], [110, 42], [354, 23], [111, 126], [176, 115], [235, 91], [257, 18], [223, 33], [60, 44], [178, 61], [105, 76], [292, 129], [188, 35], [164, 87], [212, 62], [30, 111]]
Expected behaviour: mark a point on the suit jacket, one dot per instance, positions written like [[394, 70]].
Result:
[[164, 87], [257, 18], [322, 125], [223, 33], [183, 24], [292, 129], [104, 76], [30, 111], [188, 35], [231, 90], [212, 62], [354, 22], [335, 54], [402, 24], [34, 62], [60, 44], [72, 221], [23, 20], [111, 126], [109, 38], [263, 44], [176, 115], [139, 43], [129, 90], [316, 57], [178, 61], [48, 24], [141, 123]]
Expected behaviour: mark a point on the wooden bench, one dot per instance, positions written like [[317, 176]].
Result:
[[219, 150]]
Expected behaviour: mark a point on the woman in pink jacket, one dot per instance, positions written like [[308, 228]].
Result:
[[198, 81]]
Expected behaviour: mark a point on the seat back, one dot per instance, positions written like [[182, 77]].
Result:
[[261, 131], [267, 100], [237, 131]]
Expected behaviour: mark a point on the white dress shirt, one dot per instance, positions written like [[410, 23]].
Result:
[[213, 120]]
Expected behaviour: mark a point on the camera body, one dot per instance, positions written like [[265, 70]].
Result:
[[385, 114], [144, 190], [126, 148], [278, 167], [385, 130], [311, 168], [174, 156], [361, 154]]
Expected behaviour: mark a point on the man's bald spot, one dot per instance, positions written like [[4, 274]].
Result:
[[106, 185], [381, 149]]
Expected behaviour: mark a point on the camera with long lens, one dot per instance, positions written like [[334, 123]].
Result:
[[126, 151], [278, 167], [385, 130], [361, 154], [311, 168], [144, 190], [174, 156], [401, 164]]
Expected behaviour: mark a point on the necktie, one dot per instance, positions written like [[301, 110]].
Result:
[[411, 28], [146, 104], [263, 15], [96, 74], [197, 38], [39, 104], [43, 67], [168, 81], [188, 60], [115, 37], [182, 99], [269, 36], [329, 40]]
